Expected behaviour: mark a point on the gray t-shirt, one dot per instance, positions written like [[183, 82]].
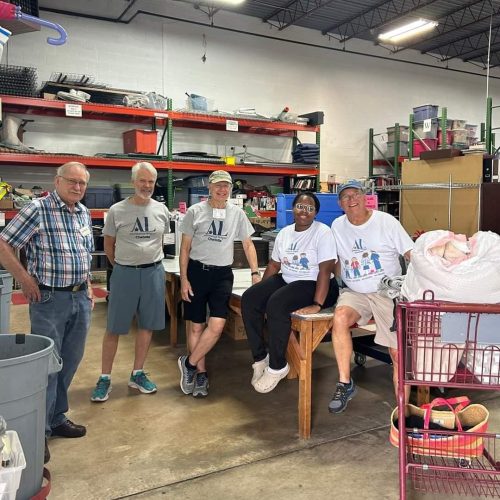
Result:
[[138, 230], [213, 238]]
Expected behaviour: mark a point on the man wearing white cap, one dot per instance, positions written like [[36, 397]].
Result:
[[209, 229], [369, 246]]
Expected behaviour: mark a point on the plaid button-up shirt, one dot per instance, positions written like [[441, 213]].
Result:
[[58, 242]]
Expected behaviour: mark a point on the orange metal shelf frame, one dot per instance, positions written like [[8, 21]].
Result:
[[47, 107], [45, 160]]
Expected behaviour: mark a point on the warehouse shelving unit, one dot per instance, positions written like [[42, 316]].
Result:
[[156, 118], [388, 199]]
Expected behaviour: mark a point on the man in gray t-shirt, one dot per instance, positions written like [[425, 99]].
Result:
[[133, 242], [208, 231]]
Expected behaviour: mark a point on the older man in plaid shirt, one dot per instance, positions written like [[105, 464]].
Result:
[[56, 232]]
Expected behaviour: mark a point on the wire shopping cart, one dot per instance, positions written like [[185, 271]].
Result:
[[456, 345]]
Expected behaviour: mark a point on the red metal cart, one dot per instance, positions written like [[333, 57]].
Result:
[[448, 344]]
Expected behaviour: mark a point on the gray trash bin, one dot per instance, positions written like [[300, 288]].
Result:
[[25, 364], [5, 297]]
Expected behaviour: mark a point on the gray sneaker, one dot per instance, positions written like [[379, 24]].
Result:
[[343, 394], [200, 389], [187, 376]]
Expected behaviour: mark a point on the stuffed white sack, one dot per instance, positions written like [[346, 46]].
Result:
[[454, 268]]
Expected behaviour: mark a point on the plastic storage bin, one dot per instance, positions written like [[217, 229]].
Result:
[[10, 476], [98, 197], [329, 209], [460, 135], [404, 132], [140, 141], [5, 296], [449, 137], [459, 124], [26, 361], [403, 149], [419, 147], [431, 134], [425, 112]]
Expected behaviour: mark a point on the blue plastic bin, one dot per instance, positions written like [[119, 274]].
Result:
[[329, 209], [425, 112]]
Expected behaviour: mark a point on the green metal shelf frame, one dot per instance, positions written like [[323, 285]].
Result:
[[489, 135], [396, 163]]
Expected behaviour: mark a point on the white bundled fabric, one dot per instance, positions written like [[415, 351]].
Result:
[[468, 272]]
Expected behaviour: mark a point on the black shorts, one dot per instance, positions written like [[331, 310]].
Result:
[[212, 286]]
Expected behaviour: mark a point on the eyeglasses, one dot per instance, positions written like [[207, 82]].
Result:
[[354, 196], [74, 182], [307, 208]]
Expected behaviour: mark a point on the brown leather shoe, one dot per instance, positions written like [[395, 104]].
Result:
[[69, 430], [46, 456]]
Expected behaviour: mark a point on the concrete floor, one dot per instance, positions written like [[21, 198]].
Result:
[[235, 444]]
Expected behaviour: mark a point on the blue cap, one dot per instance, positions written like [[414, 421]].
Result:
[[351, 183]]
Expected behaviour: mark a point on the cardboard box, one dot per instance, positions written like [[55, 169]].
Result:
[[265, 222], [234, 327], [6, 204]]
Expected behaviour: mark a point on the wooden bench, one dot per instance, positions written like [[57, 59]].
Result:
[[308, 331]]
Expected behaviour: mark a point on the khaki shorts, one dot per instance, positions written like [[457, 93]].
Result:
[[373, 305]]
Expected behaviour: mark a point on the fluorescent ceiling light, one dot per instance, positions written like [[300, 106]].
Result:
[[408, 30]]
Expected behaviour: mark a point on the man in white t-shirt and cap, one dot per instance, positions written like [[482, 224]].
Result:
[[369, 246], [209, 229]]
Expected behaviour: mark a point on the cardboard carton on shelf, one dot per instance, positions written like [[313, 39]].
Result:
[[265, 222], [6, 204]]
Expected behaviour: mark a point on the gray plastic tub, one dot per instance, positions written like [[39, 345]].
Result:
[[25, 364], [5, 297]]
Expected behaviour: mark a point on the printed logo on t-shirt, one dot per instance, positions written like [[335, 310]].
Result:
[[216, 231], [141, 229], [364, 263], [295, 261]]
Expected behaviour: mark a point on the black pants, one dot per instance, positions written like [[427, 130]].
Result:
[[274, 299]]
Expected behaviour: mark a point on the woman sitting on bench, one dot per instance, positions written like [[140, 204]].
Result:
[[305, 253]]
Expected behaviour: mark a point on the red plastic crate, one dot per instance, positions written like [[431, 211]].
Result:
[[418, 147], [140, 141]]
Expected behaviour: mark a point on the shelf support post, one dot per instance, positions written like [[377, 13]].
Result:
[[489, 110]]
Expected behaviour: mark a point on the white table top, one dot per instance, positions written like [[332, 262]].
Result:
[[242, 277]]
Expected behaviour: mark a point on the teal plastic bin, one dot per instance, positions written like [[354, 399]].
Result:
[[25, 364], [5, 298]]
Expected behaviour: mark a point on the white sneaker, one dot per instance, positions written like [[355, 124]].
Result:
[[270, 380], [258, 369]]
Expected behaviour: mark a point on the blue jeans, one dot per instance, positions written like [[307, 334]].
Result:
[[65, 318]]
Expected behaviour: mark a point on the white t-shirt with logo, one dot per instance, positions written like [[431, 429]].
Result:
[[213, 236], [138, 230], [301, 252], [371, 250]]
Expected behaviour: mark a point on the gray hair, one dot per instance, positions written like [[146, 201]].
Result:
[[61, 171], [143, 165]]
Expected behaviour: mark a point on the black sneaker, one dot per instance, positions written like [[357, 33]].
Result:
[[200, 389], [343, 394]]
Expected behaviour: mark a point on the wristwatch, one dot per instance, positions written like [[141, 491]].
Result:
[[316, 303], [255, 273]]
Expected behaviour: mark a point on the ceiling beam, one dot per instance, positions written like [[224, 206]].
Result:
[[467, 43], [494, 60], [483, 51], [448, 22], [375, 17], [479, 33], [293, 11]]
